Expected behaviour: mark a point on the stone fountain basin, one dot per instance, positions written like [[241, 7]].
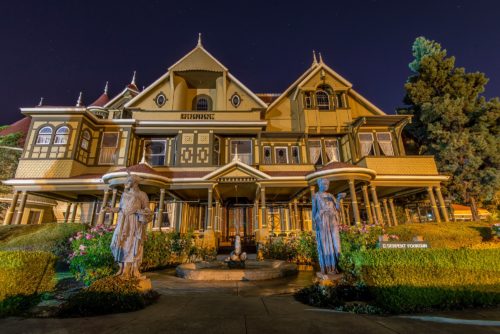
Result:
[[253, 271]]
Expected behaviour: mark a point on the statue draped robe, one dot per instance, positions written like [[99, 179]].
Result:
[[326, 219], [127, 241]]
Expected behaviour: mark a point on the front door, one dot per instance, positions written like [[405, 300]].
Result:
[[238, 221]]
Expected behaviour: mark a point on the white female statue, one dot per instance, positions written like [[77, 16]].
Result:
[[326, 218], [133, 216]]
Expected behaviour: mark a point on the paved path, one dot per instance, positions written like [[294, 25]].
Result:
[[242, 307]]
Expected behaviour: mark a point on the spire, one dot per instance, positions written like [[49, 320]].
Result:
[[315, 60], [199, 39], [320, 58], [41, 102], [79, 101], [106, 88], [133, 79]]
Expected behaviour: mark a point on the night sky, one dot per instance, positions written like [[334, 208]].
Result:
[[56, 49]]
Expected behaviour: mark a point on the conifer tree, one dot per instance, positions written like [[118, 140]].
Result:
[[453, 122]]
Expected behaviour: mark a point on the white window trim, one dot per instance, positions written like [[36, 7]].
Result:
[[116, 147], [62, 138], [276, 148], [298, 154], [157, 155], [320, 152], [45, 136], [322, 105], [87, 140], [372, 148], [390, 142], [335, 140], [231, 154], [264, 154]]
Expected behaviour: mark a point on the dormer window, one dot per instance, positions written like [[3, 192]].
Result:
[[202, 103], [85, 140], [44, 136], [322, 100], [61, 136]]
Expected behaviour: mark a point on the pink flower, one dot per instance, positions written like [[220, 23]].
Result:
[[82, 247], [88, 236]]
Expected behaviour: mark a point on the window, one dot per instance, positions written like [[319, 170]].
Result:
[[267, 155], [85, 143], [109, 145], [244, 150], [366, 143], [202, 102], [315, 155], [235, 100], [216, 152], [281, 155], [385, 142], [44, 136], [295, 155], [322, 100], [61, 136], [340, 100], [160, 99], [155, 151], [332, 150], [307, 100]]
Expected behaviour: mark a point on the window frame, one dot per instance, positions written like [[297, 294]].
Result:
[[157, 140], [231, 154], [322, 106], [298, 154], [372, 150], [386, 141], [285, 148], [44, 135], [85, 140], [62, 138], [320, 151], [102, 146], [336, 141], [264, 148]]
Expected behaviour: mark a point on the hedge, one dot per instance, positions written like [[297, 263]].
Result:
[[24, 276], [419, 279]]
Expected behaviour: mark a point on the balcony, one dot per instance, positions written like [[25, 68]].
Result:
[[401, 165]]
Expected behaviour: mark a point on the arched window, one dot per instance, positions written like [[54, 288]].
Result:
[[44, 136], [85, 144], [202, 103], [322, 100], [61, 136]]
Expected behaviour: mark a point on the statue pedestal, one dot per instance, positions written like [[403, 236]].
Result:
[[145, 285], [328, 279]]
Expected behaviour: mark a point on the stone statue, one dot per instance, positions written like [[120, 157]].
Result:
[[133, 216], [237, 258], [326, 218]]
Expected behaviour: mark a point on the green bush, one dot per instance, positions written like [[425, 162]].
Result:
[[419, 279], [51, 237], [108, 295], [24, 276], [445, 235], [300, 249]]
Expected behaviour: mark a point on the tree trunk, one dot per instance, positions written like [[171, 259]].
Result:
[[473, 209]]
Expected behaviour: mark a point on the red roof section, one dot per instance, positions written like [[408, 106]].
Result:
[[22, 126], [101, 101], [268, 97]]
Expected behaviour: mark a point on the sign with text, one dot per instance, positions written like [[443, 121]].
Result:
[[402, 245]]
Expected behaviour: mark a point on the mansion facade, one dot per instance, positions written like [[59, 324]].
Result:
[[220, 160]]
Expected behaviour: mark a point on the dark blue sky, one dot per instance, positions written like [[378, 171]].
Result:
[[55, 49]]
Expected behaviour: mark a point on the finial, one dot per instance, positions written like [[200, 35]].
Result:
[[133, 79], [80, 99], [41, 102], [106, 88], [320, 58], [315, 60], [199, 39]]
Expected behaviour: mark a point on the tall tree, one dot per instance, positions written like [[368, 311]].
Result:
[[453, 122]]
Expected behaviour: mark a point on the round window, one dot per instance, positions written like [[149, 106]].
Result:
[[235, 100], [160, 99]]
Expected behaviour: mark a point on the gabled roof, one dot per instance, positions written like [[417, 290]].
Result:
[[198, 59], [236, 165], [128, 89], [101, 101]]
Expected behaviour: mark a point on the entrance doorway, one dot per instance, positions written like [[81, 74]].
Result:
[[238, 220]]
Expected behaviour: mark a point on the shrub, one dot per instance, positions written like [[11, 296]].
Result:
[[108, 295], [300, 249], [24, 276], [419, 279], [445, 235], [44, 237]]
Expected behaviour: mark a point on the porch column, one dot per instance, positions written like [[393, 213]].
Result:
[[393, 211], [255, 214], [73, 213], [263, 222], [386, 210], [342, 212], [366, 199], [374, 213], [373, 190], [68, 210], [408, 216], [20, 210], [296, 214], [433, 204], [354, 202], [92, 213], [161, 205], [442, 205], [100, 220], [113, 204], [209, 211], [12, 208], [291, 216]]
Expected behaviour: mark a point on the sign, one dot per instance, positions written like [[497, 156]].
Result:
[[201, 116], [402, 245]]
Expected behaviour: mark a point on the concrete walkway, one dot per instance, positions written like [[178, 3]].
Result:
[[245, 307]]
